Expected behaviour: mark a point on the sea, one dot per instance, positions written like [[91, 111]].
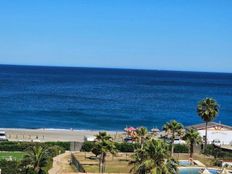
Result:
[[107, 99]]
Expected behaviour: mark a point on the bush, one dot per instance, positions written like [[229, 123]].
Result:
[[87, 146], [14, 146], [208, 150], [218, 163], [55, 150], [217, 152], [126, 147], [9, 167], [64, 145], [181, 148]]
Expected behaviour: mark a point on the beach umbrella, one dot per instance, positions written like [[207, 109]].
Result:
[[130, 129], [155, 130]]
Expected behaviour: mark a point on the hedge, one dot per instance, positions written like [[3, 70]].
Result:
[[21, 146], [126, 147], [121, 147], [181, 148], [217, 152], [130, 147], [64, 145], [87, 146]]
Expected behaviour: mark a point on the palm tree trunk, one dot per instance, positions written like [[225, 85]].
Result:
[[206, 136], [172, 150], [191, 151], [142, 141], [37, 169], [99, 166], [101, 163]]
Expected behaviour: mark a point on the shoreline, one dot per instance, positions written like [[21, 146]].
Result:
[[51, 135], [63, 129]]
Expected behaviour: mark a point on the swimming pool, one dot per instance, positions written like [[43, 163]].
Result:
[[193, 170], [185, 163]]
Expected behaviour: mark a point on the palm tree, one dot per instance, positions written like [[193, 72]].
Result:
[[37, 158], [170, 167], [137, 161], [207, 109], [175, 129], [103, 145], [153, 158], [142, 134], [193, 137]]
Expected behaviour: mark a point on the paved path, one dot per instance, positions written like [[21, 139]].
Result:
[[61, 164]]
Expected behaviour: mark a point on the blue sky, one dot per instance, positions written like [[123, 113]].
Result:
[[194, 35]]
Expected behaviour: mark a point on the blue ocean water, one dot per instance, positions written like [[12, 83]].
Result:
[[109, 99]]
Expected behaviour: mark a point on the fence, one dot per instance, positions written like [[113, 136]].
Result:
[[75, 146]]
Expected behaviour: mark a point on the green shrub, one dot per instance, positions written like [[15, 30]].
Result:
[[217, 152], [55, 150], [126, 147], [121, 147], [64, 145], [208, 150], [9, 167], [218, 163], [14, 146], [87, 146], [181, 148]]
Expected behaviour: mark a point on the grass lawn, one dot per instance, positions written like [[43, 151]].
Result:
[[119, 163], [111, 167], [116, 164], [11, 155]]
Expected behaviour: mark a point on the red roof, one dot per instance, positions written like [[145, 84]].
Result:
[[130, 129]]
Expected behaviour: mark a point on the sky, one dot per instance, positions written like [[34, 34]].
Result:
[[193, 35]]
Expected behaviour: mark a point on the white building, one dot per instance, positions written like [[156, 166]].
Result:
[[216, 132]]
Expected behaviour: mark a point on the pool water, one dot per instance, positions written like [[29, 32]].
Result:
[[194, 170], [185, 163]]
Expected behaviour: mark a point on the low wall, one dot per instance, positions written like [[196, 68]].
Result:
[[77, 164], [60, 163]]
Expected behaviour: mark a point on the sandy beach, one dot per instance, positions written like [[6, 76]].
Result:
[[46, 135]]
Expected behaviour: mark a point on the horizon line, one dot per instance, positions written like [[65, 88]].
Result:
[[119, 68]]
